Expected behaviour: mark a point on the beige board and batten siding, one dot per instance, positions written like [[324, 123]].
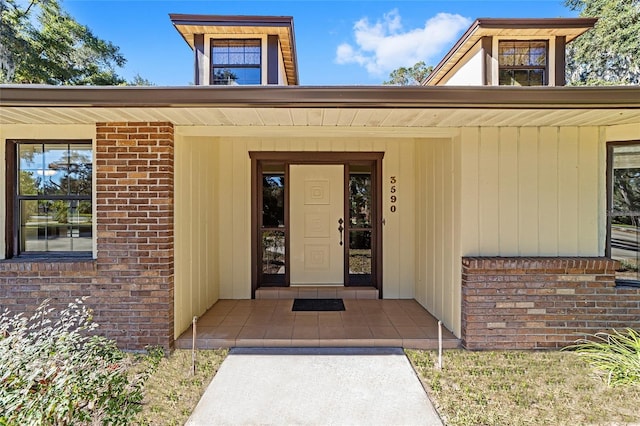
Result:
[[41, 132], [532, 191], [232, 168], [437, 229], [195, 229]]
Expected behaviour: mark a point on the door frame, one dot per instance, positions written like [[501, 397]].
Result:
[[319, 158]]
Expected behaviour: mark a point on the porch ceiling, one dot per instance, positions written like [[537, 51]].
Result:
[[335, 107]]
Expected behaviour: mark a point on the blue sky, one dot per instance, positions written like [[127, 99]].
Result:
[[338, 42]]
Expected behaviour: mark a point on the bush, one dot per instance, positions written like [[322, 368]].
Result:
[[614, 356], [55, 371]]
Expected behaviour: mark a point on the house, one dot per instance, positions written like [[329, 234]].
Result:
[[504, 211], [510, 52]]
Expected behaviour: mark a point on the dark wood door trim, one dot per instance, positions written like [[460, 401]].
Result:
[[300, 157]]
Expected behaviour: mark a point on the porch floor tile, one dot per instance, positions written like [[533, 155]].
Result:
[[271, 323]]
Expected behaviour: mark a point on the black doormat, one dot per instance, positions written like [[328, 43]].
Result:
[[318, 305]]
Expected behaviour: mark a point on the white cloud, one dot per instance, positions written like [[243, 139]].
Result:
[[384, 46]]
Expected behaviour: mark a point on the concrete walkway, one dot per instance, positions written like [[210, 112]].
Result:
[[315, 386]]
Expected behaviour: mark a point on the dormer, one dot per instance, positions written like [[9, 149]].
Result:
[[510, 52], [240, 50]]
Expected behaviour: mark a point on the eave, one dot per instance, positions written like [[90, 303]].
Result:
[[570, 28], [354, 106], [282, 26]]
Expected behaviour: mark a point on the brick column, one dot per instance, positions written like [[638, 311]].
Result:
[[537, 303], [133, 296]]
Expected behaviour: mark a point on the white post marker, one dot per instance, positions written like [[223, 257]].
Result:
[[193, 347], [439, 345]]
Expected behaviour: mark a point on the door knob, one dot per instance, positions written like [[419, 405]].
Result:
[[340, 228]]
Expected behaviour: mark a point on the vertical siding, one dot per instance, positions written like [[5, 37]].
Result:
[[437, 229], [195, 228], [538, 191], [234, 210]]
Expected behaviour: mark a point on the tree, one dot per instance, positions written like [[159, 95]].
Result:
[[411, 76], [41, 43], [610, 52], [138, 80]]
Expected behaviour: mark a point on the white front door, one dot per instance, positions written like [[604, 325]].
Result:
[[316, 200]]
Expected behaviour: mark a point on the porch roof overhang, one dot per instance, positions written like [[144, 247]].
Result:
[[370, 107]]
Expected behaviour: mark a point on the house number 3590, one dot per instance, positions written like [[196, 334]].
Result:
[[394, 197]]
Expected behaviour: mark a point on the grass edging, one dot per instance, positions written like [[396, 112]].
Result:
[[172, 392], [517, 388]]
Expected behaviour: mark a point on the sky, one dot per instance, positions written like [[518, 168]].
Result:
[[344, 42]]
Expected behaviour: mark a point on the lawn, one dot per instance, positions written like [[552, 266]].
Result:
[[172, 392], [473, 388], [522, 388]]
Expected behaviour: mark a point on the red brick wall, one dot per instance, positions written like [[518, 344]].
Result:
[[130, 284], [539, 303]]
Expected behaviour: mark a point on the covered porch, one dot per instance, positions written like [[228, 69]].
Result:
[[272, 323]]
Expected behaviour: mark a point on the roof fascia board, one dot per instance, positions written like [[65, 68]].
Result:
[[606, 97], [506, 23]]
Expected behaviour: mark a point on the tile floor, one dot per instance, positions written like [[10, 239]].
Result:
[[272, 323]]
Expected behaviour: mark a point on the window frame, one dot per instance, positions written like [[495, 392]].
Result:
[[609, 213], [545, 68], [13, 198], [214, 65]]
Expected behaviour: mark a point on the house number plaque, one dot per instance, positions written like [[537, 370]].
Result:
[[394, 197]]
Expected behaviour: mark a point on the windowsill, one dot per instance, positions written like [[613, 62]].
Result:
[[628, 283], [49, 258]]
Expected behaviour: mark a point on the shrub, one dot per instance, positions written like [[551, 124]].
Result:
[[614, 356], [55, 371]]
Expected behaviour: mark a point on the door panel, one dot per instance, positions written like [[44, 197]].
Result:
[[316, 195]]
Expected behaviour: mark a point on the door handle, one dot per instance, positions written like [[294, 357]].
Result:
[[340, 228]]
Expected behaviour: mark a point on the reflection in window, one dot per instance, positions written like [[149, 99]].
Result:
[[273, 199], [360, 224], [273, 237], [360, 252], [235, 62], [624, 234], [522, 63], [360, 199], [273, 252], [53, 197]]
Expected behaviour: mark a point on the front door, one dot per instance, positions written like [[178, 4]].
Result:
[[316, 209]]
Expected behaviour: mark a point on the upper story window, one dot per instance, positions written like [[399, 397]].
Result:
[[235, 61], [623, 236], [50, 204], [522, 63]]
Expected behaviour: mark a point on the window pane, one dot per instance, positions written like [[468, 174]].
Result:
[[236, 62], [55, 226], [273, 246], [30, 166], [80, 169], [360, 198], [625, 217], [625, 240], [55, 169], [273, 200], [231, 76], [360, 252]]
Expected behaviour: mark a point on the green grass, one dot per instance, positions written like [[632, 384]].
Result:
[[172, 392], [614, 356], [522, 388]]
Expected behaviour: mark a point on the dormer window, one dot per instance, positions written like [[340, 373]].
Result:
[[235, 62], [523, 63]]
